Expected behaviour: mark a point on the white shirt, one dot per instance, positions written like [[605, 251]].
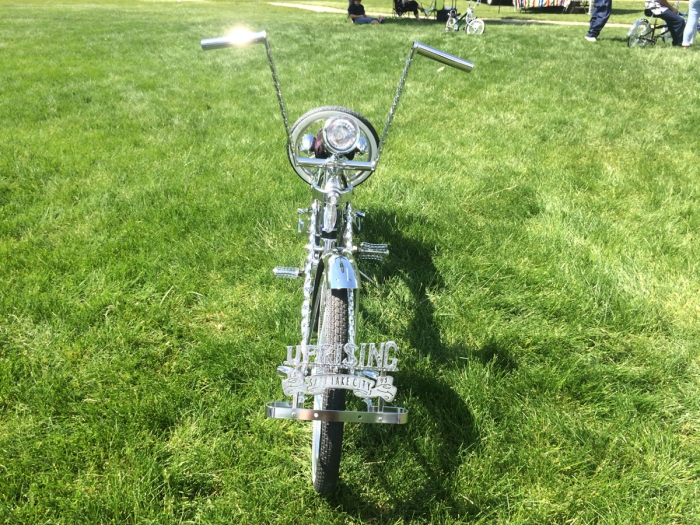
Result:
[[655, 6]]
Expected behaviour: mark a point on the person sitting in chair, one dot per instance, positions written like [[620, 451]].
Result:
[[404, 6], [665, 11], [356, 11]]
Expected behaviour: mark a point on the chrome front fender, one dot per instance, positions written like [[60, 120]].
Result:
[[340, 272]]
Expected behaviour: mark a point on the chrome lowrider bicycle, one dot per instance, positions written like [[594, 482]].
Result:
[[333, 150]]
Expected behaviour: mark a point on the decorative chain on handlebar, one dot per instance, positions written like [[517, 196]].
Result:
[[334, 149]]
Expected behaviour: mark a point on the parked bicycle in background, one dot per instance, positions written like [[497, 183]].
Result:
[[468, 22], [647, 31]]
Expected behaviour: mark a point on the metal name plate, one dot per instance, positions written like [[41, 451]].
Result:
[[313, 369], [361, 386], [370, 357]]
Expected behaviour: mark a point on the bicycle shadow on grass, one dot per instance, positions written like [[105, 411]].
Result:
[[431, 448]]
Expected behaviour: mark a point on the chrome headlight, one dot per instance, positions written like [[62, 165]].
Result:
[[341, 134], [332, 131]]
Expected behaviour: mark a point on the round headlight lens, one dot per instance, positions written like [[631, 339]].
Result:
[[340, 134]]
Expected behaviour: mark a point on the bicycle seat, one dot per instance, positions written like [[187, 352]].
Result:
[[647, 12]]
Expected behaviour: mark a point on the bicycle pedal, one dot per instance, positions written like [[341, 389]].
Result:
[[284, 272], [374, 252]]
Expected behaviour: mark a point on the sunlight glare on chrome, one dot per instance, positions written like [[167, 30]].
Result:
[[239, 36]]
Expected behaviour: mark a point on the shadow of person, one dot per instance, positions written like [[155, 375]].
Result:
[[429, 450]]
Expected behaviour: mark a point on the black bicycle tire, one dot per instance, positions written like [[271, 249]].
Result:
[[327, 468], [315, 306]]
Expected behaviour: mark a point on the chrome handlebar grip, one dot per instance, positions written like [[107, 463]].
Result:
[[341, 163], [429, 52], [441, 56], [239, 39], [243, 38]]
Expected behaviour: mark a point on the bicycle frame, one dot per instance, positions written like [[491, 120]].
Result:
[[323, 147], [432, 9]]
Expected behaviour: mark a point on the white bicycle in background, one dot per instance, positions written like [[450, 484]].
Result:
[[468, 22]]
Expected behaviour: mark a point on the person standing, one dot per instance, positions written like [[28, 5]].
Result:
[[599, 16], [691, 25]]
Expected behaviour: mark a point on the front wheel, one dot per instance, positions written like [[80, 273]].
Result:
[[475, 27], [327, 442], [450, 25], [639, 33]]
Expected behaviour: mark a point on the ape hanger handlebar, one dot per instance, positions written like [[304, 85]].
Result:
[[243, 38]]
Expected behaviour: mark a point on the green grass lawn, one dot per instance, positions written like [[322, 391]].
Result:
[[542, 213]]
